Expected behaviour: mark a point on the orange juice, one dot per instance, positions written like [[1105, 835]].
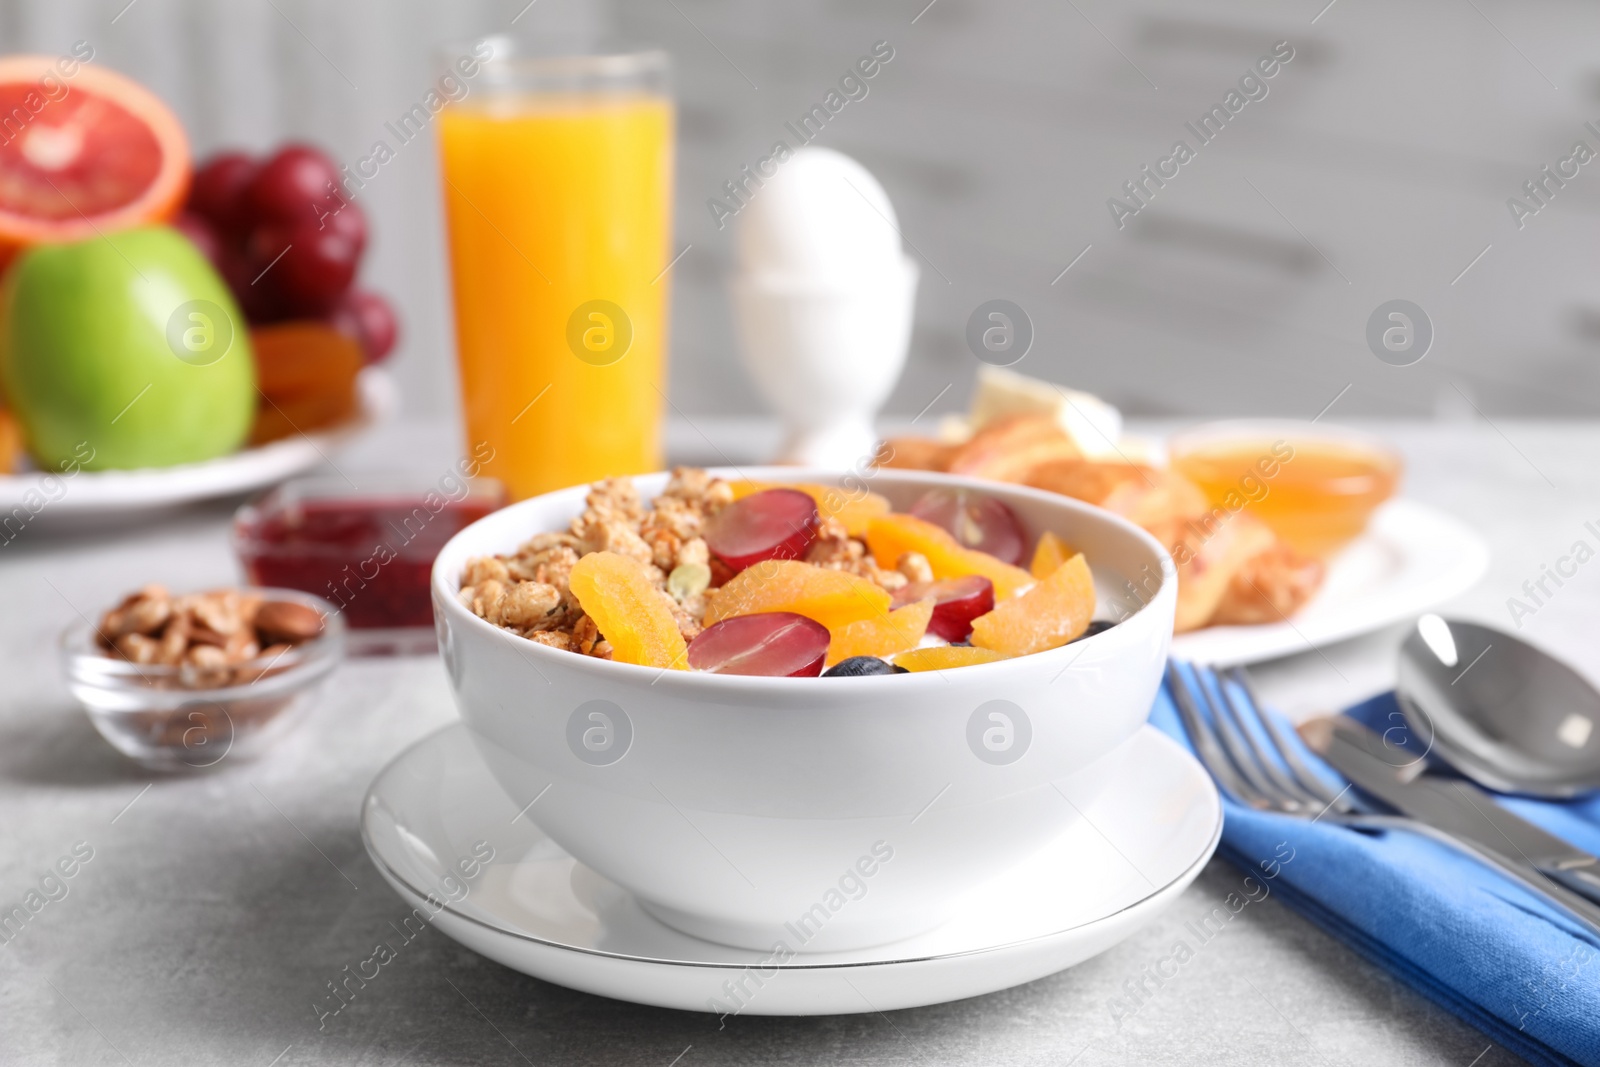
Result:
[[559, 212], [1316, 489]]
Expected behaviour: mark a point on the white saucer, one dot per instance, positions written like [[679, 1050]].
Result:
[[435, 811]]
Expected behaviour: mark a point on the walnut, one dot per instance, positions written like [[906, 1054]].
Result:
[[598, 532], [915, 566], [545, 542], [485, 596], [693, 551], [484, 568], [675, 516], [175, 641], [890, 580], [142, 612], [705, 493], [137, 648], [553, 638], [615, 498], [218, 612], [206, 656], [585, 634], [528, 605], [687, 614], [664, 547]]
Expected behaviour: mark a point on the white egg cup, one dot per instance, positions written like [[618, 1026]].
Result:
[[825, 355]]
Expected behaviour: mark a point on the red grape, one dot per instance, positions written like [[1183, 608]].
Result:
[[347, 220], [202, 235], [956, 602], [778, 644], [259, 302], [771, 524], [307, 269], [217, 192], [369, 318], [977, 521], [293, 187]]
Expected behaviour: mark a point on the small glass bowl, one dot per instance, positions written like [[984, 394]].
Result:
[[155, 715]]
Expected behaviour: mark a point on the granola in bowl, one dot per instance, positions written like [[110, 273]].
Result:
[[853, 581]]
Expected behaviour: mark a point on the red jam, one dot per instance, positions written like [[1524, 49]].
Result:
[[369, 556]]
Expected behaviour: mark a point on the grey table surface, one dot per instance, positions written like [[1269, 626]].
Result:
[[217, 906]]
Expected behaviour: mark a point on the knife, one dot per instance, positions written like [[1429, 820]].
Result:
[[1461, 810]]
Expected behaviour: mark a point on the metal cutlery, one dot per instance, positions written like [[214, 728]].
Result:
[[1251, 757]]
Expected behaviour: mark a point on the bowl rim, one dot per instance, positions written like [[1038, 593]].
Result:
[[85, 664], [602, 670]]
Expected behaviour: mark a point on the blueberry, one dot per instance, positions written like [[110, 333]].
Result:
[[1098, 626], [858, 666]]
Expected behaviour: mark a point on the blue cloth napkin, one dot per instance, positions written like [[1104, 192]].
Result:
[[1470, 939]]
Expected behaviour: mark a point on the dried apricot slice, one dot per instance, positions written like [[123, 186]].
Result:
[[290, 415], [833, 598], [630, 611], [303, 356], [1048, 555], [10, 442], [852, 507], [890, 535], [1050, 614], [883, 635], [945, 656]]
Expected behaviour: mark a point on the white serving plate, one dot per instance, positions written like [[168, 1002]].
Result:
[[96, 494], [1411, 559], [536, 910]]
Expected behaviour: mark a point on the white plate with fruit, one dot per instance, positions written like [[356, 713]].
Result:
[[144, 364]]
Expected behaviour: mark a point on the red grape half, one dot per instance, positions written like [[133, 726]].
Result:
[[977, 521], [956, 602], [771, 524], [778, 644]]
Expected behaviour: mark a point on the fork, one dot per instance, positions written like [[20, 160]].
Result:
[[1253, 759]]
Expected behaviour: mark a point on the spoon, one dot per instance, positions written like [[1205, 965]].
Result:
[[1502, 712]]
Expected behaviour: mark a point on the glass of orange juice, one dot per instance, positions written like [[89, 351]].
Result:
[[1315, 485], [557, 182]]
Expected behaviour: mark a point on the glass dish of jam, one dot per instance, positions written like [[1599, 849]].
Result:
[[368, 551]]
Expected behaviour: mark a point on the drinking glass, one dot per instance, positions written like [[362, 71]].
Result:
[[557, 182]]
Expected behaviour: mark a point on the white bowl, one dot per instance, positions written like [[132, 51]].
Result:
[[854, 810]]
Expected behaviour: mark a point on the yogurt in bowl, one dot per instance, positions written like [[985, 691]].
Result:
[[815, 814]]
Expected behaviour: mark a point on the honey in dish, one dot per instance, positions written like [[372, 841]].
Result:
[[1316, 494]]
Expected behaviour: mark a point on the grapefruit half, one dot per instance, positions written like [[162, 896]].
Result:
[[84, 155]]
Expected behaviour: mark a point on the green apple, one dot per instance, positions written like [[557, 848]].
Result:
[[127, 347]]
